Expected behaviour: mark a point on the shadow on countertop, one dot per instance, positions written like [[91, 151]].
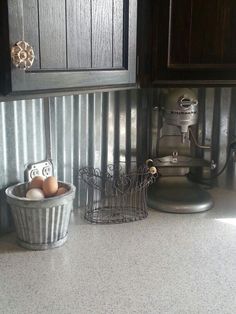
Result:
[[9, 244]]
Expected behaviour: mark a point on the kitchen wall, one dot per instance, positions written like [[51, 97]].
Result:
[[100, 128], [216, 127], [75, 131], [22, 139]]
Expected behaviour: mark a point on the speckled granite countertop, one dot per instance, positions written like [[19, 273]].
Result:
[[165, 264]]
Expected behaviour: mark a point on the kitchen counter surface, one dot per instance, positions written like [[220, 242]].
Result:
[[164, 264]]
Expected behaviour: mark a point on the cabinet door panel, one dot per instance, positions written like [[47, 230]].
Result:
[[102, 33], [206, 40], [194, 40], [52, 34], [31, 33], [25, 26], [118, 42], [77, 43], [179, 48], [202, 33], [79, 34]]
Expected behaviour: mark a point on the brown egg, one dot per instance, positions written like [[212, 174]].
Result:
[[36, 182], [50, 186], [61, 190]]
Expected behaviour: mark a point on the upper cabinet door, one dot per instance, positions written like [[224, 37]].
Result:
[[76, 43], [194, 40]]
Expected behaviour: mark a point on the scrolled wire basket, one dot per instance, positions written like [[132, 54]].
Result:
[[116, 195]]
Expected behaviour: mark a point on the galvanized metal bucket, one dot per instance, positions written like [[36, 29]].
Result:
[[41, 224]]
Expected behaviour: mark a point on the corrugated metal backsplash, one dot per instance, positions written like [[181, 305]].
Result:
[[88, 129], [100, 128], [22, 139], [216, 127]]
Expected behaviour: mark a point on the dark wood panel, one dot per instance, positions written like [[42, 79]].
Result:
[[53, 39], [131, 51], [180, 32], [22, 81], [202, 33], [144, 42], [213, 37], [79, 34], [206, 32], [160, 38], [16, 30], [16, 15], [31, 33], [102, 34], [205, 41], [194, 41], [228, 32], [5, 62], [54, 74], [118, 29], [25, 26]]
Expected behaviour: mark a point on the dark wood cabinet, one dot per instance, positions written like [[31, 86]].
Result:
[[77, 43], [192, 41]]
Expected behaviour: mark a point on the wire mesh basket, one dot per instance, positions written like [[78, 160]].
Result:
[[116, 195]]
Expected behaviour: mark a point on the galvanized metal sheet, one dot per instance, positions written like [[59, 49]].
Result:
[[96, 130], [216, 127], [22, 140], [100, 128]]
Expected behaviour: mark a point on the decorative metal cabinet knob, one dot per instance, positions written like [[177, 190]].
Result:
[[22, 55]]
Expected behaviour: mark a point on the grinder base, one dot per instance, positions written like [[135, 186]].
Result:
[[176, 194]]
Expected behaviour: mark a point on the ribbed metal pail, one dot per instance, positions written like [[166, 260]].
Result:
[[41, 224]]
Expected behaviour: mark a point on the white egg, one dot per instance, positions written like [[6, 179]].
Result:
[[35, 194]]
